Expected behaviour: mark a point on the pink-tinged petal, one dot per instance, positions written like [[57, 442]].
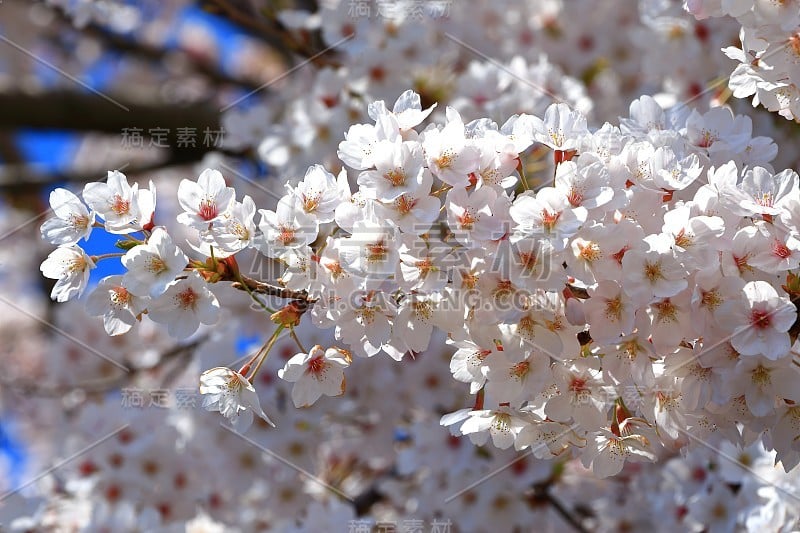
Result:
[[305, 393]]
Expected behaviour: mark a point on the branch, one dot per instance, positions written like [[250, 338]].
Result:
[[85, 112], [68, 110], [261, 287], [274, 33], [542, 493]]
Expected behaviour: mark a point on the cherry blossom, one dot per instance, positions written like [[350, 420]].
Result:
[[70, 265], [315, 373], [154, 265], [653, 271], [561, 128], [185, 305], [502, 425], [613, 303], [449, 155], [73, 221], [204, 201], [287, 228], [609, 451], [237, 229], [759, 323], [548, 214], [119, 307], [116, 201], [231, 394]]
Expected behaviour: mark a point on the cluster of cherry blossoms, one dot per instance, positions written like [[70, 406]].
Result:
[[641, 300], [602, 318], [768, 53], [596, 64]]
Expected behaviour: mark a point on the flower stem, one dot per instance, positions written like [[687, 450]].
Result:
[[555, 172], [479, 400], [97, 258], [246, 367], [297, 340], [270, 344], [522, 175]]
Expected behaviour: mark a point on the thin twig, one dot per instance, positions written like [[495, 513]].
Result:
[[293, 335], [563, 511], [542, 492]]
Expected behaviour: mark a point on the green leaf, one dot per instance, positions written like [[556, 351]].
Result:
[[125, 244]]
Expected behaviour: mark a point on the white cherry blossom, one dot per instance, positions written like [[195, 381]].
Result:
[[315, 373], [205, 201], [73, 221], [759, 322], [185, 305], [115, 201], [154, 265], [119, 308], [70, 265], [231, 394]]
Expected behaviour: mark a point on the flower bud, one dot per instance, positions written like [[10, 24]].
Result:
[[290, 315]]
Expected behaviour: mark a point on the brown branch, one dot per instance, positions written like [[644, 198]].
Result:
[[85, 112], [68, 110], [542, 493], [261, 287]]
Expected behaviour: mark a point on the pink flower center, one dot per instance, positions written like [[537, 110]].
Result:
[[549, 219], [377, 251], [466, 220], [208, 209], [706, 139], [780, 249], [405, 204], [577, 385], [79, 221], [446, 159], [187, 299], [589, 252], [741, 263], [316, 367], [396, 177], [120, 205], [520, 370], [764, 199], [528, 260], [575, 197], [120, 296], [619, 255], [310, 202], [760, 319], [286, 235], [156, 265], [683, 240]]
